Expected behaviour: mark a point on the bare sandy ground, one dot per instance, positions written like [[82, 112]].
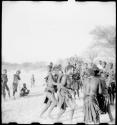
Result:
[[27, 109]]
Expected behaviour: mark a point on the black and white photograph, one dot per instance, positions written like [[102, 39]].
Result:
[[58, 62]]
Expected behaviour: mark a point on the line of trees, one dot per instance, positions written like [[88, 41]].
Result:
[[24, 66], [104, 37]]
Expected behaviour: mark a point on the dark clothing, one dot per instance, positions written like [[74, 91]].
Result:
[[111, 92], [46, 78], [15, 83], [111, 85], [46, 100], [24, 92], [76, 76], [102, 100], [4, 78], [103, 103], [76, 81], [4, 85]]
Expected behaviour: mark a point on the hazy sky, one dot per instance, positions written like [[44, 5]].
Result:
[[47, 31]]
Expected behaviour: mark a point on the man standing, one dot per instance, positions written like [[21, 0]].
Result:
[[32, 80], [65, 98], [4, 84], [15, 82], [91, 87], [50, 100]]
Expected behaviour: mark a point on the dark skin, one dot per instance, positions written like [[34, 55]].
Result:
[[105, 93], [100, 62], [51, 97], [16, 79], [76, 82], [63, 85], [4, 84], [111, 83], [94, 86], [91, 86]]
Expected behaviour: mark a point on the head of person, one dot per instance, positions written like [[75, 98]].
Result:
[[18, 72], [49, 68], [55, 70], [110, 65], [51, 64], [69, 69], [95, 69], [100, 62], [4, 71]]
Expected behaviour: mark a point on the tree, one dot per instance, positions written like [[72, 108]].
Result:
[[75, 60], [104, 36]]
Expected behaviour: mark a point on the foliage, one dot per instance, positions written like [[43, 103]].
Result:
[[104, 36]]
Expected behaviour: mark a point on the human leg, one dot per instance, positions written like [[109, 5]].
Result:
[[47, 105], [3, 91], [7, 88], [109, 112], [53, 105]]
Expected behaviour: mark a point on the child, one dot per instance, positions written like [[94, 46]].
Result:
[[24, 90]]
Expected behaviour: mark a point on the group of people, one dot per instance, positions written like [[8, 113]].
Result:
[[96, 82], [5, 88]]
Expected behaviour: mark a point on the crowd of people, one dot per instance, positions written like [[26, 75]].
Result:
[[16, 78], [96, 81]]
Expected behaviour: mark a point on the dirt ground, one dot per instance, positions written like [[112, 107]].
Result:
[[27, 109]]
